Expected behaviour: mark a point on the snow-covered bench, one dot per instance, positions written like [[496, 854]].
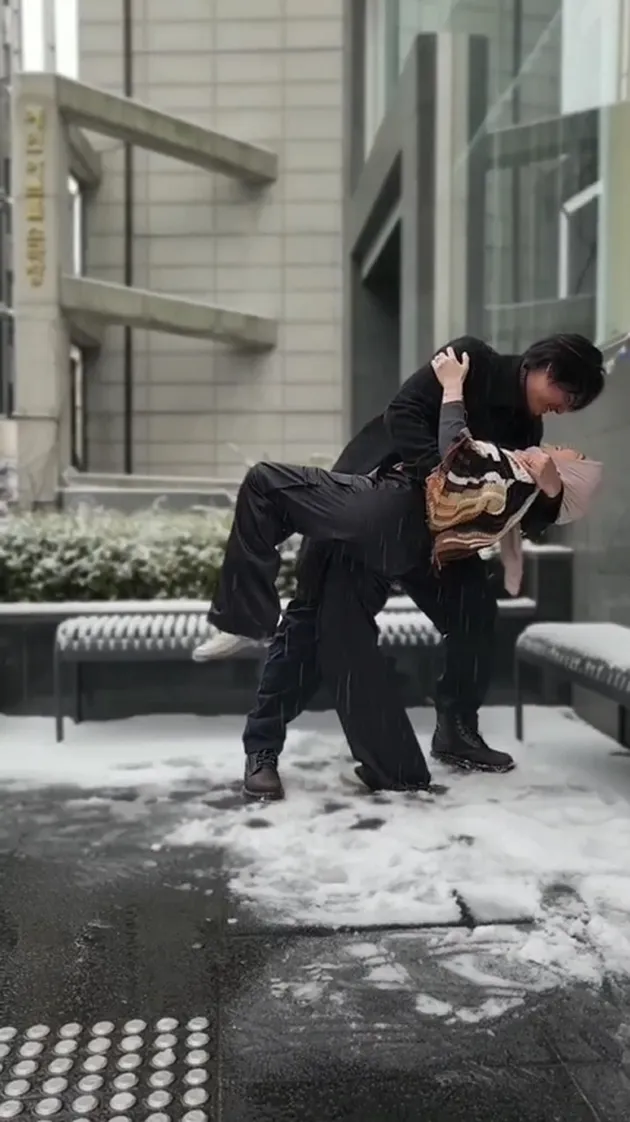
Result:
[[595, 656], [156, 634]]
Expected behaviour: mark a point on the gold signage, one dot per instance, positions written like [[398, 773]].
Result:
[[35, 123]]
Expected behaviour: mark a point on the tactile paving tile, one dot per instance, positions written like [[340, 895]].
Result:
[[123, 1072]]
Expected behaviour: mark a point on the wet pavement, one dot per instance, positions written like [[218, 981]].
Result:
[[132, 987]]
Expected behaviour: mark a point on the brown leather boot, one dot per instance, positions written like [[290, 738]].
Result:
[[262, 780]]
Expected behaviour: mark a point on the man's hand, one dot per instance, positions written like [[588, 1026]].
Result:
[[542, 470], [451, 373]]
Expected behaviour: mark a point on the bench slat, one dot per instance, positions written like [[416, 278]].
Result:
[[596, 655], [127, 634], [607, 643]]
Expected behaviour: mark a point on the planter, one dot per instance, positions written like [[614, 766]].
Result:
[[27, 634]]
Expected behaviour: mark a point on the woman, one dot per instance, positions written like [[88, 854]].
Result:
[[479, 494]]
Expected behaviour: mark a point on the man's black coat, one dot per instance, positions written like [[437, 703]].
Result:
[[496, 409]]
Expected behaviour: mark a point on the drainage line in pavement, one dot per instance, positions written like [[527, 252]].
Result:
[[327, 932]]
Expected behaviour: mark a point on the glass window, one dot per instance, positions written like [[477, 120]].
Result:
[[592, 64], [6, 365], [77, 410], [524, 54], [577, 249], [418, 17], [381, 63], [539, 206], [536, 209]]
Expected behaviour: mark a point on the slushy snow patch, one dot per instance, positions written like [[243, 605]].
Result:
[[547, 843]]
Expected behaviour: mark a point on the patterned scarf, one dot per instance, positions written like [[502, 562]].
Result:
[[474, 497], [478, 495]]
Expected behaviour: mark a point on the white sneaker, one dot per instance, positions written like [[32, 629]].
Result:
[[220, 645]]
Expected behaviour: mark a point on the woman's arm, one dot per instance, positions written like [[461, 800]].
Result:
[[451, 374], [412, 417], [452, 424], [544, 512]]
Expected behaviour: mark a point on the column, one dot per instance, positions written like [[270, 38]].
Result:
[[443, 88], [418, 136], [42, 240], [613, 280], [452, 137]]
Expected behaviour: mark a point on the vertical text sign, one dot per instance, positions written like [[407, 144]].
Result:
[[35, 123]]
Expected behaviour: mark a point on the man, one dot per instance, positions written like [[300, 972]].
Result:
[[505, 398]]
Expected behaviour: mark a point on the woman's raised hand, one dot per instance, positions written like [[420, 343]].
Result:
[[449, 370]]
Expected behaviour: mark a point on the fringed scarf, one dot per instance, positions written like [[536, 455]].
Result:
[[479, 494]]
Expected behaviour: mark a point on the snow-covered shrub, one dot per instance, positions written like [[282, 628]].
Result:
[[109, 556]]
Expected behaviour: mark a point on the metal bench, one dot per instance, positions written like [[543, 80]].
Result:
[[595, 656], [169, 636]]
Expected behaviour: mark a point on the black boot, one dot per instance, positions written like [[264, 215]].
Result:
[[458, 742], [262, 780]]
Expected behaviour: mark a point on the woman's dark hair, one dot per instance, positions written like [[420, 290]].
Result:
[[574, 363]]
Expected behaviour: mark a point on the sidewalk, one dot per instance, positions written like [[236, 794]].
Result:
[[116, 934]]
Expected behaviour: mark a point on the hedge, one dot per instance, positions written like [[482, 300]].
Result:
[[106, 556]]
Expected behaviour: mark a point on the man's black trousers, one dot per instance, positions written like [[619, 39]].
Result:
[[332, 638], [328, 632]]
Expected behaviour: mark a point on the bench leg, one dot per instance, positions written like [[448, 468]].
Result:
[[78, 693], [549, 683], [622, 726], [58, 696], [518, 699]]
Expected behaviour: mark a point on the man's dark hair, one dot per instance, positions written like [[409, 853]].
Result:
[[574, 363]]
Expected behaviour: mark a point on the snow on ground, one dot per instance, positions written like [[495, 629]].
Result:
[[549, 842]]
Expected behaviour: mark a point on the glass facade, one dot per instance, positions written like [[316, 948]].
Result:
[[549, 66], [555, 55]]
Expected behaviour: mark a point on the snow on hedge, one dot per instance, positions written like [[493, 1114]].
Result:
[[109, 556]]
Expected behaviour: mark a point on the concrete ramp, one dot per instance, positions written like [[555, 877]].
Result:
[[55, 309], [124, 119], [136, 307]]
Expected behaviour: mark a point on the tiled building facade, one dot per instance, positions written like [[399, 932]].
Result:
[[267, 71]]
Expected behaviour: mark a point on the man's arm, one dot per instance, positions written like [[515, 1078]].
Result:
[[412, 417]]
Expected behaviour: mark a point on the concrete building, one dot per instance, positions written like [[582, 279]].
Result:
[[206, 308], [486, 173], [7, 38], [287, 204]]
